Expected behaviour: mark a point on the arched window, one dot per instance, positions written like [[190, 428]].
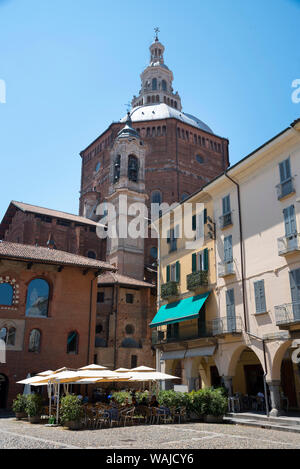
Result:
[[6, 294], [98, 166], [37, 298], [157, 98], [153, 99], [164, 130], [165, 100], [91, 255], [3, 334], [133, 168], [148, 99], [129, 329], [11, 336], [164, 85], [153, 252], [34, 341], [200, 159], [154, 84], [158, 132], [117, 166], [72, 343], [172, 102], [175, 104]]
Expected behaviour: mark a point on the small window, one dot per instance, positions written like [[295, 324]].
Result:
[[99, 328], [100, 297], [153, 252], [164, 85], [200, 159], [156, 197], [184, 196], [91, 255], [133, 168], [72, 343], [129, 329], [133, 361], [34, 341], [11, 336], [6, 294], [129, 298]]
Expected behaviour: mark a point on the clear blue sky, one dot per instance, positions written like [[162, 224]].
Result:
[[71, 65]]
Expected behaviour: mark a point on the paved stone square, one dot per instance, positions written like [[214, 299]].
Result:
[[23, 435]]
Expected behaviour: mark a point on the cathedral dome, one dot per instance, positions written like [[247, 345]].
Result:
[[163, 111]]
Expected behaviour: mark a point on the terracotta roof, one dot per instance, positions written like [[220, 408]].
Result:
[[49, 256], [52, 213], [112, 278]]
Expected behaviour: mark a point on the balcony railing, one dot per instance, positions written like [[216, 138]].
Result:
[[225, 220], [285, 188], [169, 289], [227, 325], [161, 337], [288, 244], [288, 313], [225, 268], [197, 279]]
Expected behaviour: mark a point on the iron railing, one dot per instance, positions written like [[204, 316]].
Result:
[[285, 188], [225, 268], [225, 220], [169, 289], [197, 279], [161, 337], [288, 244], [227, 325], [288, 313]]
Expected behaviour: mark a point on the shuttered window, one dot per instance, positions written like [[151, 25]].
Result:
[[200, 261], [290, 220], [228, 249], [226, 205], [260, 298], [285, 170]]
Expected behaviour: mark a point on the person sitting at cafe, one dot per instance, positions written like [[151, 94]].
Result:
[[153, 402]]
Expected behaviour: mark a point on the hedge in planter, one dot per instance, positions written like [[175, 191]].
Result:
[[34, 406], [71, 411], [19, 406]]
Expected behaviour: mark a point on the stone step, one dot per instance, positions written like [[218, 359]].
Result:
[[263, 424], [282, 420]]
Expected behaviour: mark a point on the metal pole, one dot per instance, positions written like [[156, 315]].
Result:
[[57, 403]]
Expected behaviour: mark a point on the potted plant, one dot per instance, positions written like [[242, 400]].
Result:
[[19, 406], [71, 412], [34, 406], [216, 406]]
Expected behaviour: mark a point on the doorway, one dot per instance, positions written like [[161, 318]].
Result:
[[3, 391]]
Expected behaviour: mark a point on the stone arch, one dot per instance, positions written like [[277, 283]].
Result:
[[277, 360]]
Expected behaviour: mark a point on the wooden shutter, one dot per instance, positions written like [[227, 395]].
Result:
[[177, 271], [228, 248], [194, 262], [289, 220], [260, 299], [285, 170], [205, 259], [226, 204], [168, 273]]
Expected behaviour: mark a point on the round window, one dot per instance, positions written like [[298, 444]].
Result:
[[129, 329]]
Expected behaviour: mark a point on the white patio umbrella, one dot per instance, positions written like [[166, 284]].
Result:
[[93, 367], [142, 369]]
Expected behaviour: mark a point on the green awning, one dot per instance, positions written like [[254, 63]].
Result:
[[178, 311]]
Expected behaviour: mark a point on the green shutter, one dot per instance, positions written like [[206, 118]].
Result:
[[168, 273], [194, 262], [205, 259], [194, 223], [177, 271], [205, 216], [260, 299]]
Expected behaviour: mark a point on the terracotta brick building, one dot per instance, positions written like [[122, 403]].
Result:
[[47, 312], [173, 155]]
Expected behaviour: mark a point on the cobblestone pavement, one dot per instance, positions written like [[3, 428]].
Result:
[[21, 434]]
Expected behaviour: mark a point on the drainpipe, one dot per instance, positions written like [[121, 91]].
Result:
[[241, 248]]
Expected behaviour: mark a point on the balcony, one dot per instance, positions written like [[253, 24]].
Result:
[[287, 314], [288, 244], [196, 280], [226, 268], [226, 325], [169, 289], [225, 220], [285, 188], [160, 337]]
